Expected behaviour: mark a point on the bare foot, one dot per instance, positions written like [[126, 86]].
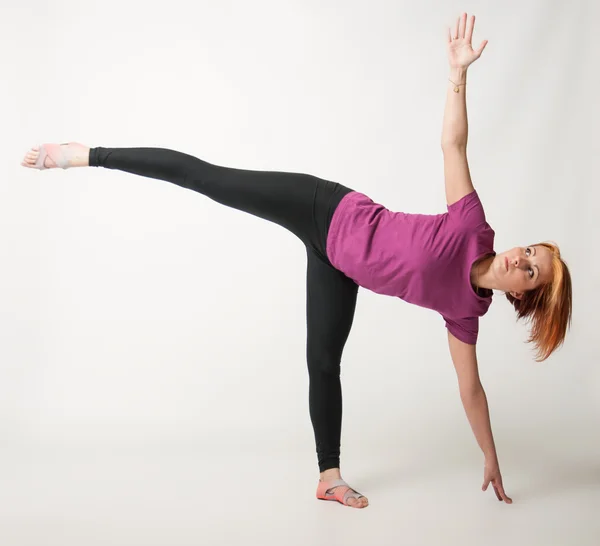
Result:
[[330, 489], [51, 156]]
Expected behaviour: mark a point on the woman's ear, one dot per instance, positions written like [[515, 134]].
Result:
[[517, 295]]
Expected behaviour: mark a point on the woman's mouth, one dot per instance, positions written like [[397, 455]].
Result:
[[506, 263]]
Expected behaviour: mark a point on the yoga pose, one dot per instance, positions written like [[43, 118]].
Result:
[[444, 262]]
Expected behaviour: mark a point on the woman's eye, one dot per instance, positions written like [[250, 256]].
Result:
[[528, 251], [530, 273]]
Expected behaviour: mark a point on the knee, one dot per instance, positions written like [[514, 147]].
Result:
[[322, 361]]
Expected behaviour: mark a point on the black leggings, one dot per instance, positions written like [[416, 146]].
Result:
[[304, 205]]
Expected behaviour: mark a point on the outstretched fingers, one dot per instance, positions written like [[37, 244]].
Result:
[[462, 20], [469, 30], [481, 48]]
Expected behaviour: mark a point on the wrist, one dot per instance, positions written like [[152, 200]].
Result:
[[491, 460], [458, 74]]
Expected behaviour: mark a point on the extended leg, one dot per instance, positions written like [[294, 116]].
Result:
[[286, 199], [301, 203]]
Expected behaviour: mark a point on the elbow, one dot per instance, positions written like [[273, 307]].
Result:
[[471, 392], [457, 143]]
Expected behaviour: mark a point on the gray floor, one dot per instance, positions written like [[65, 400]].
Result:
[[224, 490]]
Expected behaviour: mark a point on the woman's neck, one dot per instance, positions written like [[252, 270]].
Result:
[[480, 277]]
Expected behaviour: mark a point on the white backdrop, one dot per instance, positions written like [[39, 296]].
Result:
[[137, 314]]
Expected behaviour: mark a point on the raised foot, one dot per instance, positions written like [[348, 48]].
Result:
[[51, 156]]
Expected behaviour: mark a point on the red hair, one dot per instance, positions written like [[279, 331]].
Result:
[[548, 307]]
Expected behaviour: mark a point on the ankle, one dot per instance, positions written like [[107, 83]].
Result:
[[330, 474], [77, 154]]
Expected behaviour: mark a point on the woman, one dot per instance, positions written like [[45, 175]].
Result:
[[444, 262]]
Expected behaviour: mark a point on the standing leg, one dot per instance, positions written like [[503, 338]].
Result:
[[301, 203], [330, 305]]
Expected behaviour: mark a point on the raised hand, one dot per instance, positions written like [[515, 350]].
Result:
[[460, 52]]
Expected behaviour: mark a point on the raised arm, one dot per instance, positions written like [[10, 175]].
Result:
[[455, 128], [475, 403]]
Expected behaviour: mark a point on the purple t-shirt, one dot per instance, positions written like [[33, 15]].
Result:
[[424, 259]]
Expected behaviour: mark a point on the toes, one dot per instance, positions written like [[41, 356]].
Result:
[[31, 157], [358, 503]]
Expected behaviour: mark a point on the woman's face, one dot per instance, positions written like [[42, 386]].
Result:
[[522, 268]]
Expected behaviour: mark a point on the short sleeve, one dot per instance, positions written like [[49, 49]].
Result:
[[465, 329], [468, 210]]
